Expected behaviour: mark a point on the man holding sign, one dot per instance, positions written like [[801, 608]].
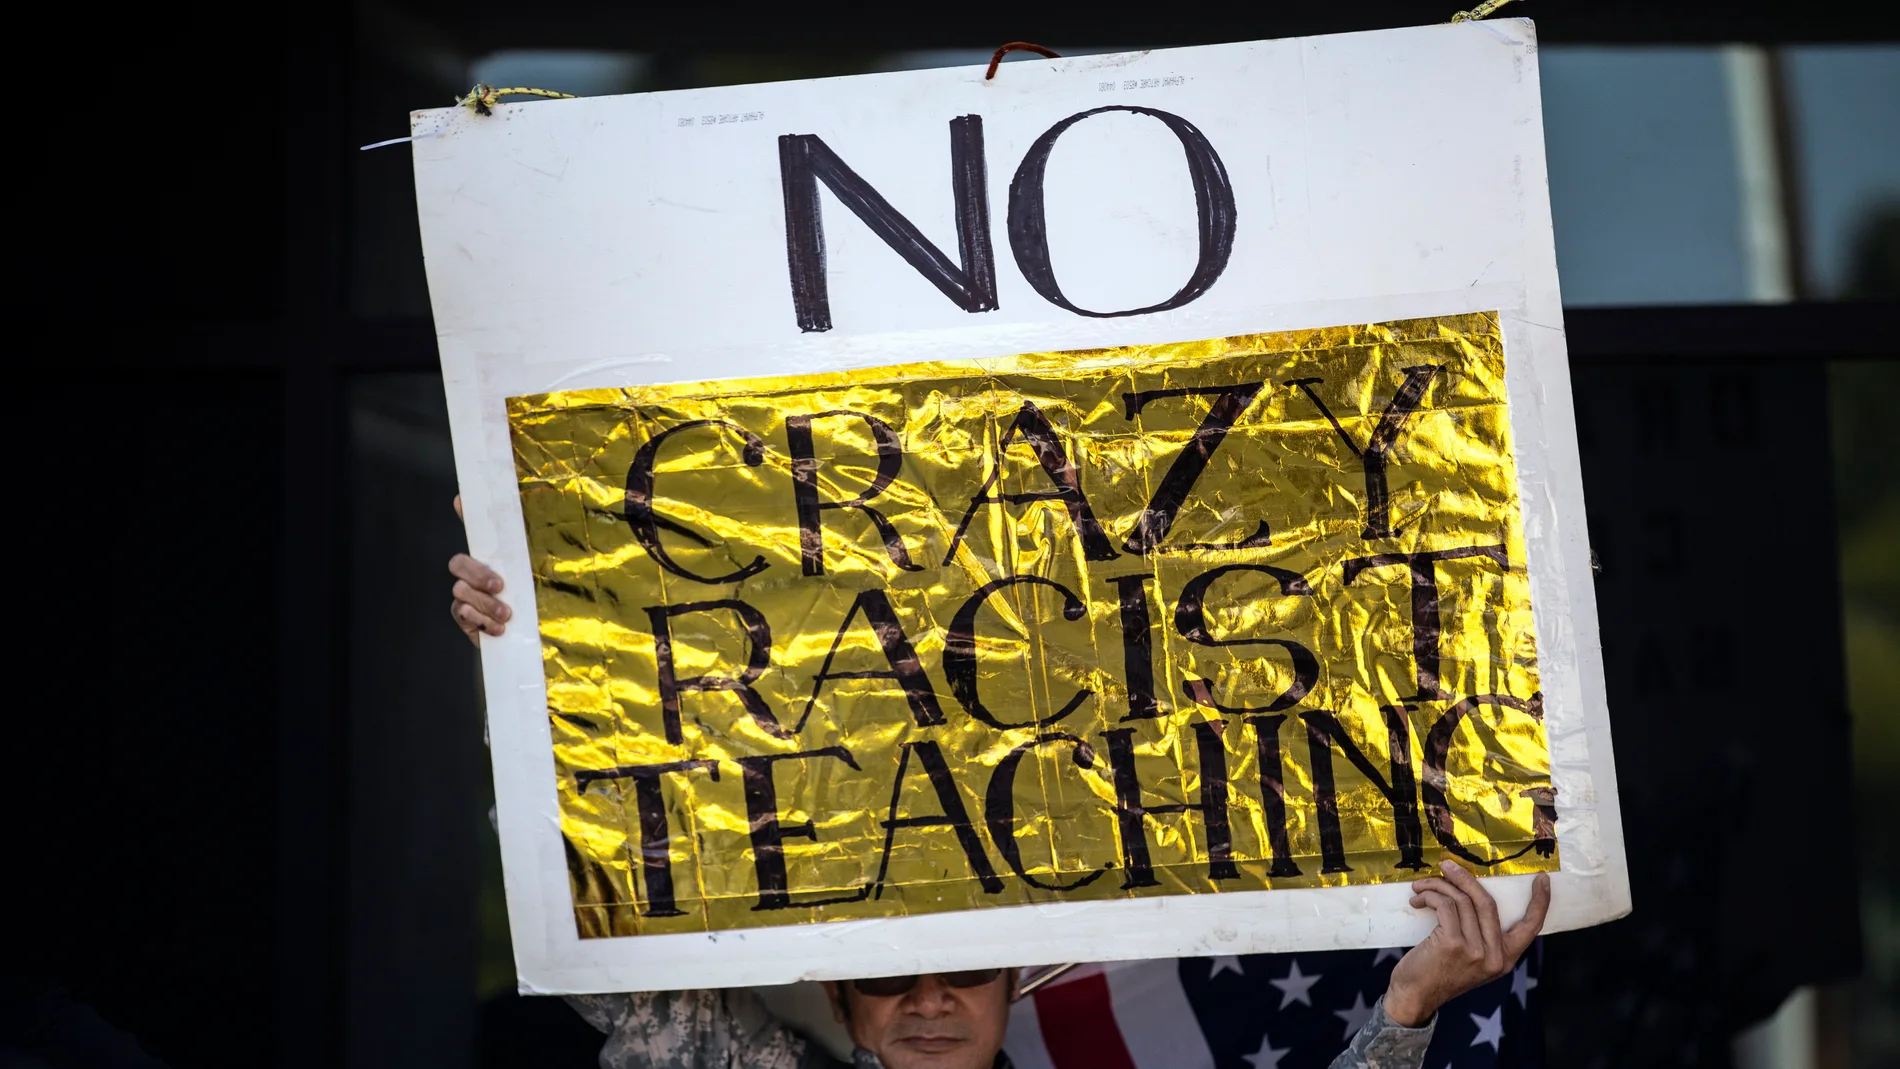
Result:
[[958, 1020], [1127, 510]]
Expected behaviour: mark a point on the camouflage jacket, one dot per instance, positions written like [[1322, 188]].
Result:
[[731, 1029]]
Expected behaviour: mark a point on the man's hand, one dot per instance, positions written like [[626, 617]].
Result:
[[1467, 948], [476, 609]]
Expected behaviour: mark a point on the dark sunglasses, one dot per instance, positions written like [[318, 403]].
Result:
[[892, 986]]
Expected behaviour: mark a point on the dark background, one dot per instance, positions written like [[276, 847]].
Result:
[[245, 808]]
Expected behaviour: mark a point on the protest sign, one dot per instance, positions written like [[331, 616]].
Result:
[[1128, 507]]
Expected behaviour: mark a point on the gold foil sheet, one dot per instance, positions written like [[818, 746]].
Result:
[[1218, 615]]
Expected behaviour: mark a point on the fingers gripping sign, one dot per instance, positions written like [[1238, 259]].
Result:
[[1469, 947], [476, 609]]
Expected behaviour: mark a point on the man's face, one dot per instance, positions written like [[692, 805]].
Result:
[[931, 1026]]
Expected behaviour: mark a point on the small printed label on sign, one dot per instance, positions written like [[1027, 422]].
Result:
[[720, 119], [1141, 83]]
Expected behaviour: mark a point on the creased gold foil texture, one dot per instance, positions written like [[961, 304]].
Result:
[[1292, 614]]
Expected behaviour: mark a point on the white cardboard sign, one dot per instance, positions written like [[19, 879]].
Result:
[[642, 239]]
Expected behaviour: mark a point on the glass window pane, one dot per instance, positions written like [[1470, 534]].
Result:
[[1840, 100], [1644, 193]]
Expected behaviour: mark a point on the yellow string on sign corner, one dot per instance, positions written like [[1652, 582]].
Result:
[[1482, 11], [484, 97]]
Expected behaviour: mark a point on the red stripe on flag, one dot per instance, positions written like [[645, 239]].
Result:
[[1078, 1025]]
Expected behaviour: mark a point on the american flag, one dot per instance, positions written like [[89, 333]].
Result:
[[1261, 1011]]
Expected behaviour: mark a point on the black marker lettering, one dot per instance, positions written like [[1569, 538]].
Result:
[[639, 499], [1034, 427], [1130, 812], [959, 650], [1213, 206], [1425, 625], [769, 832], [758, 659], [1155, 520], [905, 668], [999, 806], [805, 160], [1323, 732], [1190, 618], [1266, 730], [811, 509], [954, 815], [1437, 781], [1385, 435], [656, 836], [1138, 666]]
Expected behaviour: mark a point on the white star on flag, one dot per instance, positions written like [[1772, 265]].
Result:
[[1395, 953], [1222, 965], [1269, 1055], [1490, 1029], [1356, 1015], [1295, 986], [1523, 983]]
